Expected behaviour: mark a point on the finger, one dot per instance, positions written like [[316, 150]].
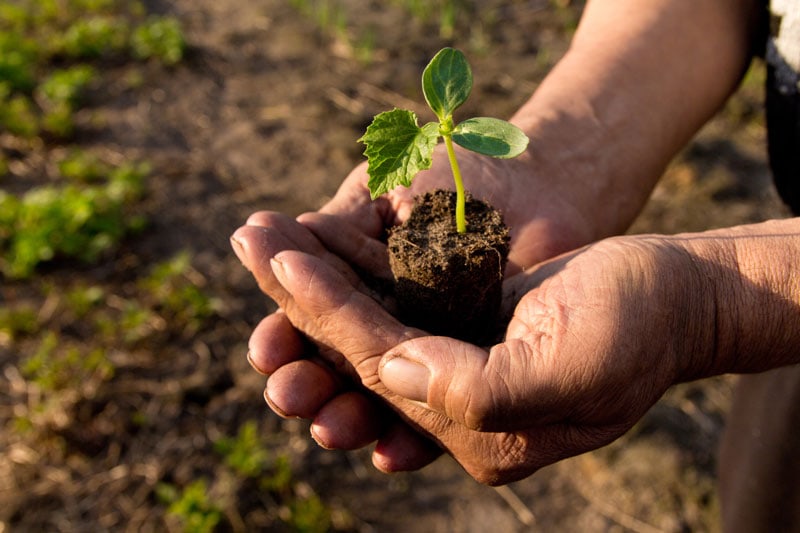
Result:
[[402, 449], [347, 240], [274, 343], [505, 389], [300, 389], [349, 321], [348, 421], [268, 233], [286, 225], [357, 327], [353, 203]]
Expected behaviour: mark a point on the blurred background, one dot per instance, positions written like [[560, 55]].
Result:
[[136, 136]]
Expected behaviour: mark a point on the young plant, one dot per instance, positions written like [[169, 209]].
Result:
[[397, 148]]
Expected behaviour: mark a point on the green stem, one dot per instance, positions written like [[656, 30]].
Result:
[[461, 218]]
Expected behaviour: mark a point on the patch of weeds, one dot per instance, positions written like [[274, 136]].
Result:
[[309, 514], [18, 60], [16, 322], [300, 508], [160, 38], [246, 455], [46, 51], [168, 300], [58, 373], [174, 290], [59, 95], [72, 334], [80, 222], [83, 166], [17, 113], [191, 506], [444, 13], [93, 37], [55, 366], [51, 53], [81, 300]]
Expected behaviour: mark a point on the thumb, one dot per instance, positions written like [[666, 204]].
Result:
[[498, 390]]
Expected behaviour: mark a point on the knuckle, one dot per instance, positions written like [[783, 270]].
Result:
[[479, 410], [508, 459], [265, 218]]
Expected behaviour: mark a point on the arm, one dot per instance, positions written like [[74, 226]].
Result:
[[639, 80], [603, 125], [752, 280], [597, 338]]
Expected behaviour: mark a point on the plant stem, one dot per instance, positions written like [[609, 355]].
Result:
[[461, 218]]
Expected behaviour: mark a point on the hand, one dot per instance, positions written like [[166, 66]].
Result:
[[593, 343], [351, 225], [311, 381]]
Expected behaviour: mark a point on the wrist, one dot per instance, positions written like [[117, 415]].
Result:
[[752, 283]]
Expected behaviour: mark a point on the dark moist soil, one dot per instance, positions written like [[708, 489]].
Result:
[[450, 283]]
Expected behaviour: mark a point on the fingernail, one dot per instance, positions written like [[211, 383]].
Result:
[[238, 249], [253, 364], [278, 269], [317, 438], [406, 378], [272, 405]]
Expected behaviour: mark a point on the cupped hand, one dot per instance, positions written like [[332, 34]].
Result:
[[593, 343], [352, 227], [314, 380], [536, 207]]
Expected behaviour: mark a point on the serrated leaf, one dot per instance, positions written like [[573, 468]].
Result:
[[490, 136], [446, 82], [397, 149]]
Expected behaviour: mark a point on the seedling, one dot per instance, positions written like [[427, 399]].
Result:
[[397, 148]]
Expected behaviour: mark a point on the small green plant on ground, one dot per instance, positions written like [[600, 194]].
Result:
[[160, 38], [397, 148], [192, 506], [16, 321], [55, 366], [174, 290], [309, 514], [249, 458], [445, 12]]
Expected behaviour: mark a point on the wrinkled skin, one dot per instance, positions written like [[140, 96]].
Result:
[[276, 348], [595, 337], [542, 395]]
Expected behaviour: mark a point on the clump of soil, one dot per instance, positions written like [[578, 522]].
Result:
[[450, 283]]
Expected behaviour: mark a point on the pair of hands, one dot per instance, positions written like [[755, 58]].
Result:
[[592, 343]]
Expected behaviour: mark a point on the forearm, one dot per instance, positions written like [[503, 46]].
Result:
[[751, 280], [639, 80]]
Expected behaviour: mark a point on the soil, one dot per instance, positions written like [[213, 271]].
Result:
[[264, 113], [450, 283]]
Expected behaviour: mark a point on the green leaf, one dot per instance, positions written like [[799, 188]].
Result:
[[397, 148], [446, 82], [490, 136]]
